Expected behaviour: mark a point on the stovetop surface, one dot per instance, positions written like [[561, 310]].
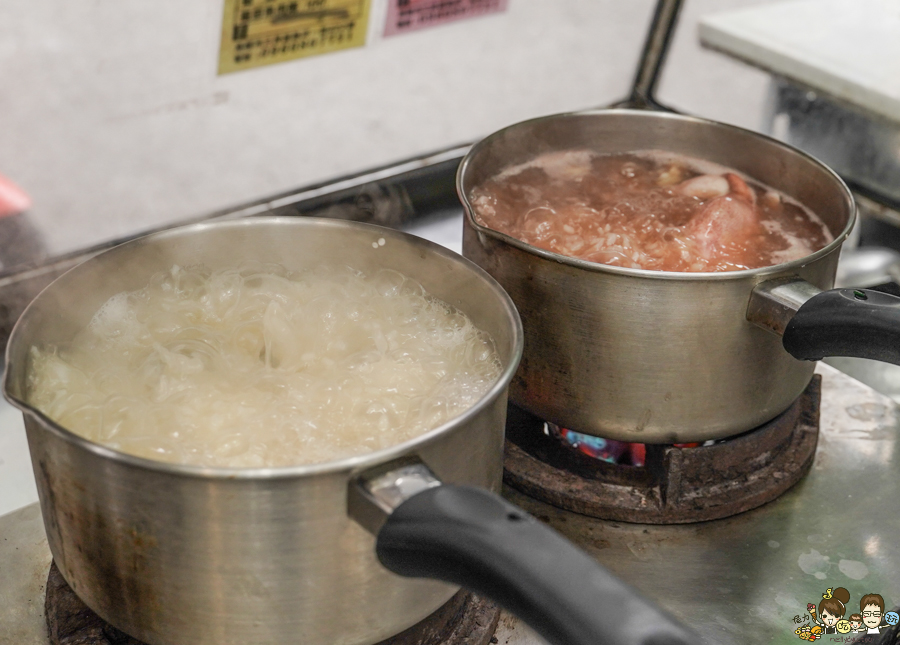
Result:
[[737, 580], [745, 578]]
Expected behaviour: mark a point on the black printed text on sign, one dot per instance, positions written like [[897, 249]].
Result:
[[262, 32]]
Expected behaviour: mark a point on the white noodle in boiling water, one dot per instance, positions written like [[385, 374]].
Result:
[[262, 367]]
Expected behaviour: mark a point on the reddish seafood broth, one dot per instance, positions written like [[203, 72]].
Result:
[[647, 210]]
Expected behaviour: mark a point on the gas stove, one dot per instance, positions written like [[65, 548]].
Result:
[[743, 578]]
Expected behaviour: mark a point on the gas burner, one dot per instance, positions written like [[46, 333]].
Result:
[[465, 619], [675, 485]]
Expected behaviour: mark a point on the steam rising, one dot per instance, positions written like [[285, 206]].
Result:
[[263, 367], [647, 210]]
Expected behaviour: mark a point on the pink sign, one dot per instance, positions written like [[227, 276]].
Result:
[[409, 15]]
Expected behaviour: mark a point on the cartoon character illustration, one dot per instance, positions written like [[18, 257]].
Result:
[[871, 606], [828, 617], [832, 609]]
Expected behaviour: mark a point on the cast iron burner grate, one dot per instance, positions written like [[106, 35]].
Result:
[[465, 619], [676, 485]]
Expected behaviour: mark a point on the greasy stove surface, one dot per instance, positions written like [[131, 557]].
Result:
[[738, 580]]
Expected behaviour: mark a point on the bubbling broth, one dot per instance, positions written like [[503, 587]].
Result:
[[647, 210], [263, 367]]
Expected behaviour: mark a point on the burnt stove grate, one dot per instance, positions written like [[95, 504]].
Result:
[[465, 619], [676, 485]]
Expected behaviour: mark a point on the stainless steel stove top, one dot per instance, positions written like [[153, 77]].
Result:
[[738, 580]]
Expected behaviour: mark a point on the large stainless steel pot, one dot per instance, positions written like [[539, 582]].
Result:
[[652, 356], [178, 554]]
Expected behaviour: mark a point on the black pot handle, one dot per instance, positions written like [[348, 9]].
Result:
[[472, 538], [863, 323]]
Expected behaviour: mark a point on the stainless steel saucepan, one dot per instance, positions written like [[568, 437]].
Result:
[[175, 554], [660, 357]]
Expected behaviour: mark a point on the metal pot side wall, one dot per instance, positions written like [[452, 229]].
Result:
[[638, 359], [173, 559]]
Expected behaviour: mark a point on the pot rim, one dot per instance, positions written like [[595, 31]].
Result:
[[596, 267], [356, 463]]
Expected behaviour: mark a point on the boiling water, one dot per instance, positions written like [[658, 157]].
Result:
[[261, 367], [648, 210]]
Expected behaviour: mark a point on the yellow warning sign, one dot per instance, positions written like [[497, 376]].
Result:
[[262, 32]]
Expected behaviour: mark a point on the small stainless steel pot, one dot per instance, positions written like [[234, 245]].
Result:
[[660, 357], [178, 554]]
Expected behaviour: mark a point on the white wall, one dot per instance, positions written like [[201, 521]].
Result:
[[113, 119]]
